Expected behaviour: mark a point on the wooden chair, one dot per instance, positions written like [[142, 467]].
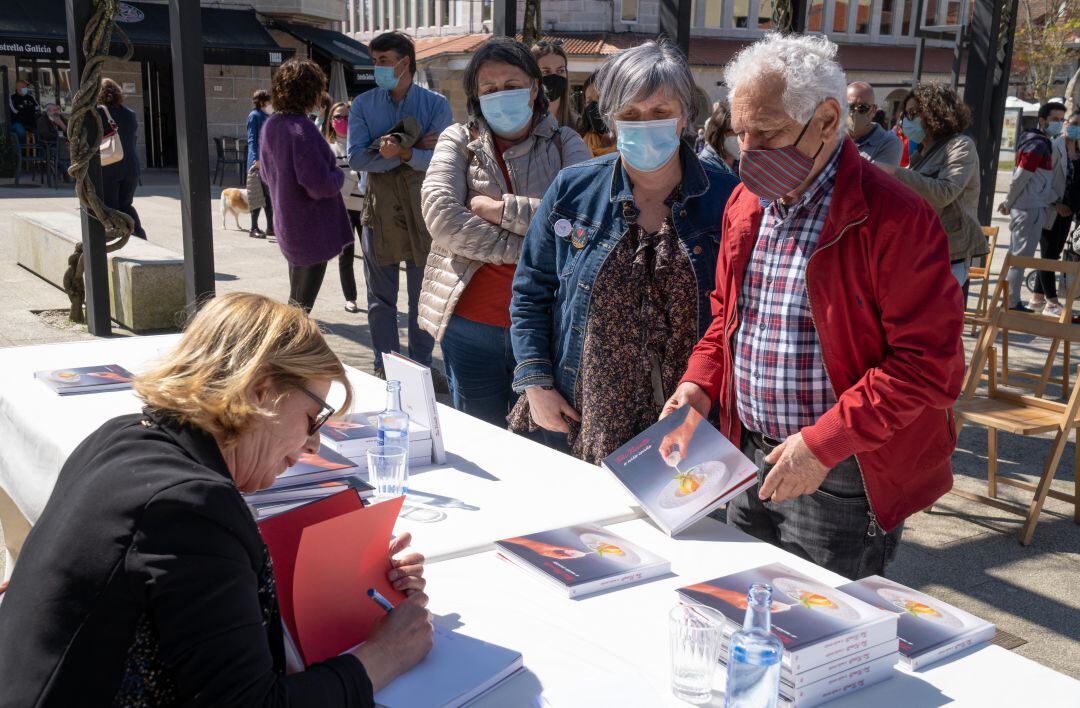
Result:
[[1029, 414], [981, 273]]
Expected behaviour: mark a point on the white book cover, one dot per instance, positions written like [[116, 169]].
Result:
[[844, 663], [841, 684], [417, 397]]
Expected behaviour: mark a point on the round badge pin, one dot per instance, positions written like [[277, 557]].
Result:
[[562, 228]]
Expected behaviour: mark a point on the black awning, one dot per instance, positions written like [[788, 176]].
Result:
[[229, 36], [339, 46]]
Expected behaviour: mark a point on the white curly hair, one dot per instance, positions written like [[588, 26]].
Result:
[[806, 64]]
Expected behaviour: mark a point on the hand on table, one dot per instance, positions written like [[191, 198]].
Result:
[[550, 410], [399, 641], [796, 471], [407, 574], [429, 141], [691, 393], [1002, 210], [486, 208]]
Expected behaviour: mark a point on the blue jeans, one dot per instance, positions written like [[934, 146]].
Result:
[[20, 131], [382, 296], [480, 368]]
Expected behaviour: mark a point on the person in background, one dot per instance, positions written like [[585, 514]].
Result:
[[322, 115], [835, 353], [699, 140], [876, 144], [146, 581], [257, 193], [120, 179], [881, 120], [1030, 193], [50, 125], [482, 190], [721, 144], [394, 229], [611, 290], [336, 131], [551, 57], [591, 126], [23, 111], [945, 169], [301, 172], [1059, 215]]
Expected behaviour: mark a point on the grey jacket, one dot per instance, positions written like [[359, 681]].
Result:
[[1059, 176], [947, 176], [464, 165]]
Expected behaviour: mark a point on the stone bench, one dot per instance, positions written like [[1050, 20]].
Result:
[[146, 282]]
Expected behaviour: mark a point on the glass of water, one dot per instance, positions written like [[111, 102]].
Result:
[[696, 633], [387, 471]]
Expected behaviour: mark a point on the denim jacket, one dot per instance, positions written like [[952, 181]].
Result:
[[579, 222]]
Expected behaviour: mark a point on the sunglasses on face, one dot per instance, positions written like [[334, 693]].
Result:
[[325, 411], [860, 108]]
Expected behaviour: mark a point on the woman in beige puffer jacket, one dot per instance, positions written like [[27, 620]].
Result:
[[485, 179]]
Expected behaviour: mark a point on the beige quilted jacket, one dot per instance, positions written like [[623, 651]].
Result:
[[464, 165]]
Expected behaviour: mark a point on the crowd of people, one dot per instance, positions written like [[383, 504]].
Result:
[[585, 275]]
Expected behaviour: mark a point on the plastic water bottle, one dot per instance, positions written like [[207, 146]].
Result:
[[753, 678], [393, 428]]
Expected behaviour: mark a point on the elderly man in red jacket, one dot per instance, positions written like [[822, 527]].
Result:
[[835, 353]]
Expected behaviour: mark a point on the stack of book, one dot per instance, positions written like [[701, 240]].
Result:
[[312, 477], [354, 434], [86, 379], [834, 644]]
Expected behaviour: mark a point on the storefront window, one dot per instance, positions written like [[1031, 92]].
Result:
[[862, 17], [485, 10], [714, 13], [839, 23], [765, 13], [906, 28], [814, 18], [49, 80], [742, 13], [886, 17]]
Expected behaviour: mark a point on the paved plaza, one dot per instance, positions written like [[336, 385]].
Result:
[[961, 552]]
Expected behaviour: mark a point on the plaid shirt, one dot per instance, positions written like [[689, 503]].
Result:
[[780, 381]]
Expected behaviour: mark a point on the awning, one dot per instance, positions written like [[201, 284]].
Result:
[[339, 46], [39, 28]]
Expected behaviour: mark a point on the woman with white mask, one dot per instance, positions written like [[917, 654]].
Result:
[[481, 191]]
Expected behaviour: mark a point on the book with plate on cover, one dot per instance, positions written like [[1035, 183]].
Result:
[[354, 434], [680, 469], [86, 379], [929, 629], [417, 398], [582, 559]]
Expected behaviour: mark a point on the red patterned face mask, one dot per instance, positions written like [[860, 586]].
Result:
[[772, 173]]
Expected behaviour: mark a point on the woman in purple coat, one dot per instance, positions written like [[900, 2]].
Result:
[[302, 175]]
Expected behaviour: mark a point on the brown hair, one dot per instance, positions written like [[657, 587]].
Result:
[[297, 86], [235, 341], [328, 125], [567, 115], [111, 93], [260, 98], [942, 111], [717, 128]]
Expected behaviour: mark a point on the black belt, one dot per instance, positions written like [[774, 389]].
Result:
[[763, 441]]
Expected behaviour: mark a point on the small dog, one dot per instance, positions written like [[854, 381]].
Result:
[[234, 201]]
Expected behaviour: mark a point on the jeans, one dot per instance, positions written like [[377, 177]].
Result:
[[960, 271], [830, 527], [1025, 230], [1051, 244], [382, 295], [304, 284], [119, 194], [480, 369], [20, 130]]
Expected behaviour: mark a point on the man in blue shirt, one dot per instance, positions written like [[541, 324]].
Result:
[[394, 229]]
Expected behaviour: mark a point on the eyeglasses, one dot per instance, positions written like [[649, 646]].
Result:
[[325, 412], [341, 116], [911, 115], [860, 108]]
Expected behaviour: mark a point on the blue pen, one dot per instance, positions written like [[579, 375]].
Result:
[[382, 601]]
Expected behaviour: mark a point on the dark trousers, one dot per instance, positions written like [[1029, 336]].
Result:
[[304, 284], [119, 194], [346, 261], [831, 527], [480, 369], [382, 295], [269, 213], [1051, 244]]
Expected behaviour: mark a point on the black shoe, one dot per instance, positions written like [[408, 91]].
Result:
[[379, 373], [256, 233], [350, 306]]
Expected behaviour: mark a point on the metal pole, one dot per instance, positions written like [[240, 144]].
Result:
[[504, 18], [185, 33], [920, 44], [95, 261], [675, 23]]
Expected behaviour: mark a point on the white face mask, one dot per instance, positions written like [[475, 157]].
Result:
[[267, 109], [731, 146]]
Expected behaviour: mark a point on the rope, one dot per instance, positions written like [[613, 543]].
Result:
[[783, 16], [118, 226]]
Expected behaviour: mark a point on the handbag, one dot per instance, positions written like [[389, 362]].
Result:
[[111, 149]]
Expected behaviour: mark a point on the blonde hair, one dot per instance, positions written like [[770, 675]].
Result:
[[237, 340]]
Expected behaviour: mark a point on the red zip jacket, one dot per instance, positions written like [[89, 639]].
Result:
[[888, 315]]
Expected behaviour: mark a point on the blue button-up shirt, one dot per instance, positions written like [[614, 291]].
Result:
[[374, 113]]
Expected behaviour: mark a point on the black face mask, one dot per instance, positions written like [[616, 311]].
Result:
[[592, 117], [554, 86]]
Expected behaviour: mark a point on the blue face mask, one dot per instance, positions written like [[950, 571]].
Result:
[[386, 78], [913, 129], [507, 112], [23, 91], [1053, 128], [647, 145], [1073, 132]]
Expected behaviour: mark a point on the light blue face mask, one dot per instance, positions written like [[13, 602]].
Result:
[[647, 145], [1053, 128], [507, 112], [386, 78], [1073, 132], [913, 129]]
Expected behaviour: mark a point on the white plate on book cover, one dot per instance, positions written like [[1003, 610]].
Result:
[[592, 541], [835, 606], [63, 376], [904, 599], [714, 475]]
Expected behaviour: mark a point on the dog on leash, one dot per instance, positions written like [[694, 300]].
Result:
[[234, 201]]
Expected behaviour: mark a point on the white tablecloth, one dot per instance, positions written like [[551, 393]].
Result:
[[495, 484], [612, 648]]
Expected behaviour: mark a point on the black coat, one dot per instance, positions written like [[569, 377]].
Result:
[[146, 580], [128, 126]]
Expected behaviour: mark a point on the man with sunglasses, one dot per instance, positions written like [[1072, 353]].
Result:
[[879, 146]]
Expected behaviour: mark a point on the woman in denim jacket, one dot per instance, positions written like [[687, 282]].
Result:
[[611, 290]]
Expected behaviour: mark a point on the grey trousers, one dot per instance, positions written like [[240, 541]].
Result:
[[1025, 230], [382, 296], [830, 527]]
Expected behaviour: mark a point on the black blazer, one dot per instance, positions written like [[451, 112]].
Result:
[[127, 124], [146, 582]]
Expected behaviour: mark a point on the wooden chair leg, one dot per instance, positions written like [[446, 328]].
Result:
[[1065, 370], [1004, 357], [1076, 475], [991, 461], [1035, 509]]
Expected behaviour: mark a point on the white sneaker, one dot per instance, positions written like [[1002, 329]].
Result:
[[1036, 305], [1052, 309]]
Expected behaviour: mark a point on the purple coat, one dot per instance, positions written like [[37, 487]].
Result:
[[304, 181]]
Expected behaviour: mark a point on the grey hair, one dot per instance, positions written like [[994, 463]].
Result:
[[806, 64], [639, 72]]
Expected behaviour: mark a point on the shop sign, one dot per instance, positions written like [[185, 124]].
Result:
[[32, 48]]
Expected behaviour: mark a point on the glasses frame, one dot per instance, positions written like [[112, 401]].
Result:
[[860, 108], [325, 413]]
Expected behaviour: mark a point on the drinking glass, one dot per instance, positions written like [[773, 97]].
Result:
[[696, 633], [387, 471]]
